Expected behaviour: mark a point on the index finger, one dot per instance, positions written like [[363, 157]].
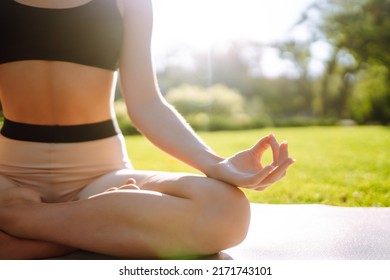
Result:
[[262, 145], [266, 142]]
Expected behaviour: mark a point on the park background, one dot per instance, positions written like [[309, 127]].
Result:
[[313, 72]]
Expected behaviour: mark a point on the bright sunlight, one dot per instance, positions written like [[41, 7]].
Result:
[[205, 24], [202, 23]]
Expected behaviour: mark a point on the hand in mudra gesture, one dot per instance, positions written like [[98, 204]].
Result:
[[245, 169]]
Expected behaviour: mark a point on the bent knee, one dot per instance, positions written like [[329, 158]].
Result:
[[233, 220], [225, 220]]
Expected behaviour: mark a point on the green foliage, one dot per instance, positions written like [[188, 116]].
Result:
[[359, 32], [218, 100], [123, 118], [300, 121], [213, 108], [364, 28], [346, 166], [220, 108], [370, 90], [355, 83], [238, 67]]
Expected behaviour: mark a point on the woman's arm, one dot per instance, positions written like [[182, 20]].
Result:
[[164, 127], [148, 110]]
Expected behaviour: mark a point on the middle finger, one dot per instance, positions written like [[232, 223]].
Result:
[[275, 147], [283, 152]]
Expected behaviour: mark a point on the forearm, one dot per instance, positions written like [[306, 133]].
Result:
[[147, 108], [165, 128], [12, 248]]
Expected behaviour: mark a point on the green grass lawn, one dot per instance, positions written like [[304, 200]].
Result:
[[348, 166]]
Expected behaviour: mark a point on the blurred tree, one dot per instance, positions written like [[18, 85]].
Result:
[[300, 54], [238, 65], [207, 108], [369, 93], [359, 32]]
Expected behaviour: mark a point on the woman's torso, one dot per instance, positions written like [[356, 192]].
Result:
[[54, 92]]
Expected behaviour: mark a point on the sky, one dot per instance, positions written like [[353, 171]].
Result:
[[204, 24]]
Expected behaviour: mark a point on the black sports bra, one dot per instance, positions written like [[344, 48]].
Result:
[[90, 34]]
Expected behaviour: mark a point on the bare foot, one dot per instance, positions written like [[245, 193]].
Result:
[[130, 184], [14, 197], [17, 195], [13, 246]]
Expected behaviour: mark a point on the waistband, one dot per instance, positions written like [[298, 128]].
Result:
[[59, 133]]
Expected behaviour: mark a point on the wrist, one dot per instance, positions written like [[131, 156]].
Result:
[[210, 165]]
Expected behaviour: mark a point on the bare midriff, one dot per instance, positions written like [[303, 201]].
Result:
[[55, 93]]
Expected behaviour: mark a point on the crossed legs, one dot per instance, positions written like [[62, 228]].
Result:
[[171, 214]]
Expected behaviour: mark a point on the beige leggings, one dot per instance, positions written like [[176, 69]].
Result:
[[60, 172]]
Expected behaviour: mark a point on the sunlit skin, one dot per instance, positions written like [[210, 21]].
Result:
[[138, 213]]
